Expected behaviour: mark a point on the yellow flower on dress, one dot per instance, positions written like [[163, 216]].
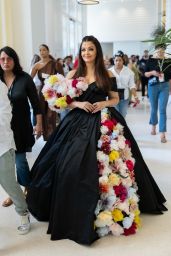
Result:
[[114, 179], [117, 215], [137, 212], [61, 102], [137, 220], [113, 155], [53, 79]]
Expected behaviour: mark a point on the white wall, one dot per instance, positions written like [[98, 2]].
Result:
[[120, 21], [131, 47], [125, 23], [37, 24], [16, 21]]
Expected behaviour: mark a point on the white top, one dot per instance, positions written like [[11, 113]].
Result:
[[6, 134], [125, 80]]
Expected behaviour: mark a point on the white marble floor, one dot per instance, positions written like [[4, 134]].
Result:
[[154, 238]]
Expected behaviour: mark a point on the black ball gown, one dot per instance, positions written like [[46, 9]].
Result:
[[65, 181]]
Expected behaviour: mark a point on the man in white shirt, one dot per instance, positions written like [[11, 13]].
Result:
[[7, 161]]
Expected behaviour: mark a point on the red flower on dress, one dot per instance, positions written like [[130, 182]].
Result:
[[131, 230], [127, 142], [121, 192], [130, 165], [105, 148], [109, 124], [114, 121]]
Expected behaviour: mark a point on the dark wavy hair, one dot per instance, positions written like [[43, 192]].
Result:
[[102, 77], [44, 45], [17, 70]]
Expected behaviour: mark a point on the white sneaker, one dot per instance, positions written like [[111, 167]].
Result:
[[24, 227]]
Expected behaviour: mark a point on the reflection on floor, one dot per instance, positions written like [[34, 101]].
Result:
[[152, 239]]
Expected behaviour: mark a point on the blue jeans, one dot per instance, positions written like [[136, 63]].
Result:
[[23, 170], [122, 107], [158, 96], [64, 113]]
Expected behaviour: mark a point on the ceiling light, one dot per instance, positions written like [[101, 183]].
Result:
[[88, 2]]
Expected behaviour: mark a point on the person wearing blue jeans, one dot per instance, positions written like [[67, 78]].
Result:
[[22, 168], [158, 71], [158, 96], [122, 107]]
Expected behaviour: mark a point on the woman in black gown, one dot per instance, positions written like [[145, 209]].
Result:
[[65, 176]]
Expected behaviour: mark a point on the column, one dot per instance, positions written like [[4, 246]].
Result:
[[168, 14]]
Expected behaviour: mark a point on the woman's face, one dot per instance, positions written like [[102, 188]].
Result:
[[6, 62], [88, 52], [160, 52], [118, 61], [61, 61], [44, 52]]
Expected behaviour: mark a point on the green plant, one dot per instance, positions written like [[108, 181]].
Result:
[[161, 38]]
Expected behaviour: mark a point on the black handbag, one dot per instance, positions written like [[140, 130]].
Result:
[[121, 94]]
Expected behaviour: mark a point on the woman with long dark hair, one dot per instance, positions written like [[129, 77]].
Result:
[[84, 182], [43, 68], [21, 90]]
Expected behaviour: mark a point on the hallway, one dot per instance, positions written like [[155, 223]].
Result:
[[152, 238]]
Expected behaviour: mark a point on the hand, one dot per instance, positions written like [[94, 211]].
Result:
[[98, 106], [155, 73], [87, 106], [137, 101], [37, 130]]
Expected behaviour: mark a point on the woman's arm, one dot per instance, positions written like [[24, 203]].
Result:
[[34, 70], [38, 129], [151, 73], [34, 100], [112, 101]]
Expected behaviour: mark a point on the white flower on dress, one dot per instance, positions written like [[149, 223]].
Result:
[[104, 129], [116, 229], [102, 157], [103, 231]]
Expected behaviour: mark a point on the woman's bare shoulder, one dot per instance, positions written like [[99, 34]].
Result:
[[37, 65]]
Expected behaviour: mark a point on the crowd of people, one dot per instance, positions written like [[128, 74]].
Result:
[[64, 186]]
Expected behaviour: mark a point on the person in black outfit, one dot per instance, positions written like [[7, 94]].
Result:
[[21, 90], [142, 65], [65, 177], [158, 72]]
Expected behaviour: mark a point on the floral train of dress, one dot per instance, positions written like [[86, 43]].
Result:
[[117, 211]]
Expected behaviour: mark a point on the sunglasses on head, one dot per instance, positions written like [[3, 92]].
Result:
[[119, 54]]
